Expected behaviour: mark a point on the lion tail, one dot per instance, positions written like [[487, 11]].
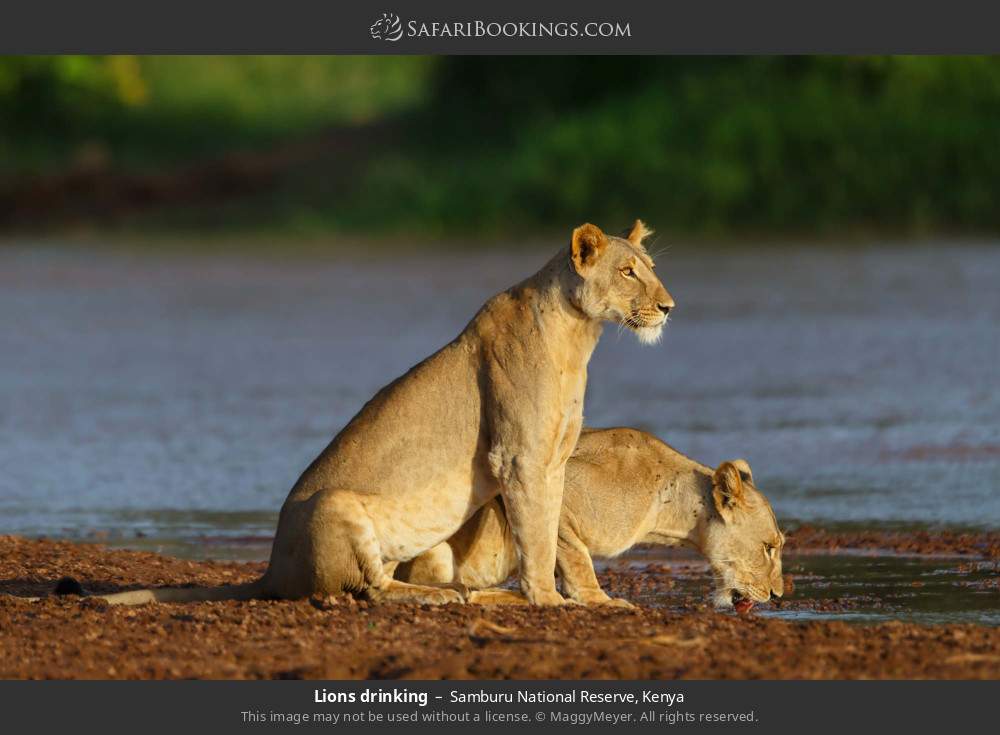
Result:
[[247, 591]]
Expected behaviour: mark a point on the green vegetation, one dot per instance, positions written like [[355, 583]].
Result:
[[158, 111], [716, 146]]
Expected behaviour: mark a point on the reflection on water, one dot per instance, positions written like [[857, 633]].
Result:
[[177, 397], [860, 587], [866, 588]]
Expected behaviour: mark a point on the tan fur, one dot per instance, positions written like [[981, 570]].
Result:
[[625, 487], [638, 233], [496, 411]]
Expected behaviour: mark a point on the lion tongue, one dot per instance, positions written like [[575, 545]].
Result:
[[743, 606]]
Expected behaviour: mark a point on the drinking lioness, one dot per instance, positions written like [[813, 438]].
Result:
[[625, 487]]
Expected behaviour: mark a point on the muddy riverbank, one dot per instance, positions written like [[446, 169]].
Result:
[[66, 637], [918, 542]]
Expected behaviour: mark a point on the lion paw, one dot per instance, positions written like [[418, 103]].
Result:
[[445, 596], [600, 598], [549, 598]]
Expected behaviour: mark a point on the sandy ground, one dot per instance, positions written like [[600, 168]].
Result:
[[72, 637]]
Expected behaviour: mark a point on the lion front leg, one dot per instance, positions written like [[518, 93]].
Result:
[[577, 571], [533, 498]]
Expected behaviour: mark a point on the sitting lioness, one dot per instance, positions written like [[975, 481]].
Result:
[[496, 411], [625, 487]]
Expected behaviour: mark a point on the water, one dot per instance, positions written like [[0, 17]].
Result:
[[171, 401], [850, 587], [881, 587]]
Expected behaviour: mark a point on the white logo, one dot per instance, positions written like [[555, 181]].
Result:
[[387, 28]]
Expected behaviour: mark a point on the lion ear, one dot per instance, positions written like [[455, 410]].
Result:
[[638, 233], [727, 490], [587, 245], [743, 467]]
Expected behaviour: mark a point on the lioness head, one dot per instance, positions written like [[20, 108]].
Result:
[[616, 280], [742, 543]]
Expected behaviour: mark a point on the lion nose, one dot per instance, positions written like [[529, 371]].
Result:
[[664, 301]]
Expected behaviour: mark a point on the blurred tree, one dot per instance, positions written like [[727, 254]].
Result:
[[62, 88], [717, 145], [714, 145], [152, 111]]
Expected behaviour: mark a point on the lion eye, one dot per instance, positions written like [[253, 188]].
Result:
[[628, 272]]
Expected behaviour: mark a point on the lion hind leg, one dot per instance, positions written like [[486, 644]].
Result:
[[333, 550], [376, 583], [392, 590]]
